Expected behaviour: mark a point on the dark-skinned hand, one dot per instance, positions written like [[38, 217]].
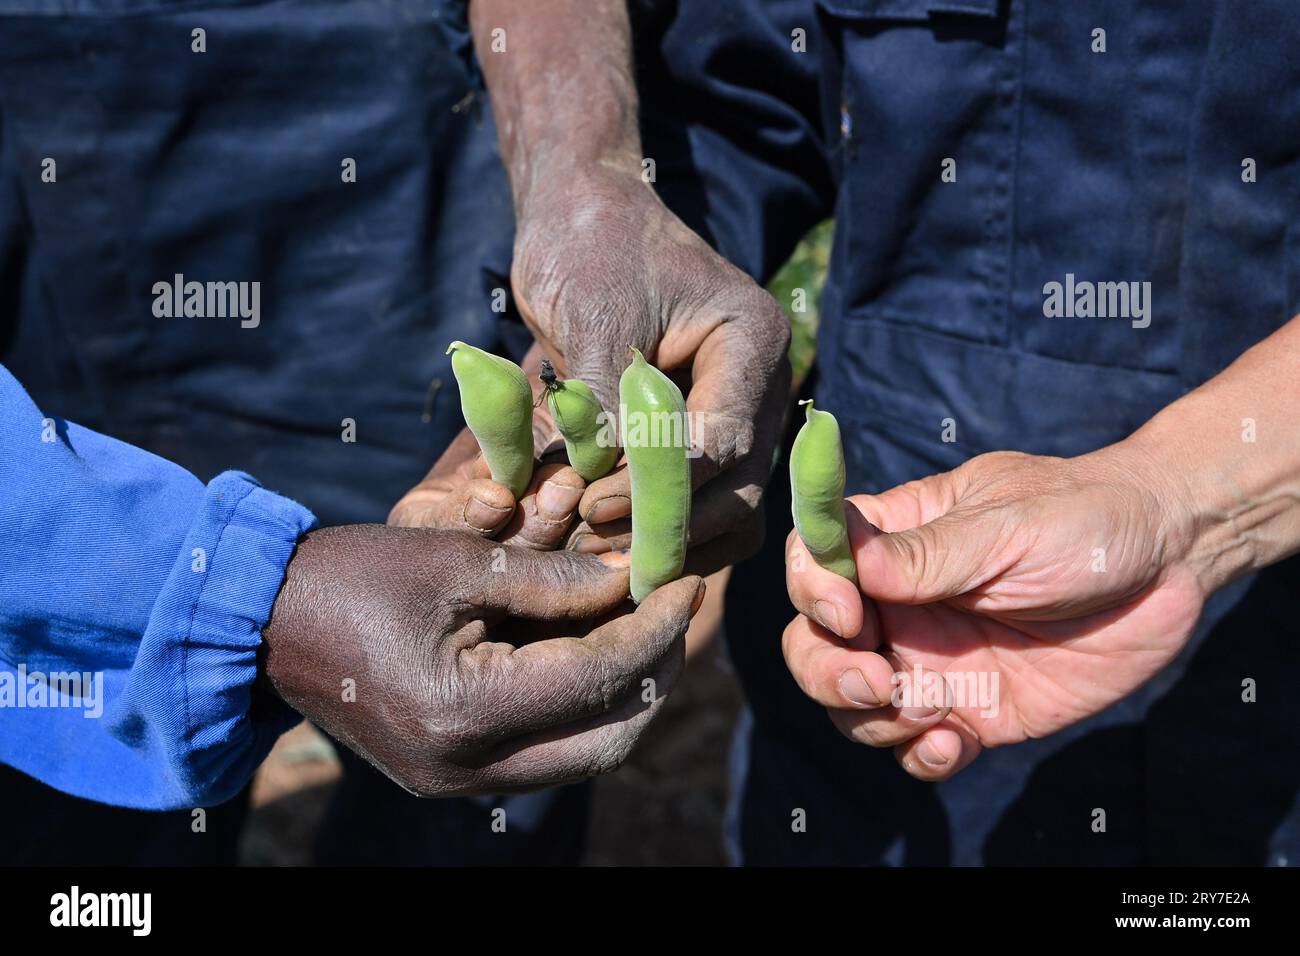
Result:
[[600, 265], [456, 666]]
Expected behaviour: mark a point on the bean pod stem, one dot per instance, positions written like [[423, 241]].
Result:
[[817, 493]]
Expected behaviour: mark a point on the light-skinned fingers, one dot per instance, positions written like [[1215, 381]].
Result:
[[936, 561], [939, 753], [887, 726], [833, 601], [833, 674], [913, 503]]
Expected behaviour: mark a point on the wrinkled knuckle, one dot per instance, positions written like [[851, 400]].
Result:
[[775, 326], [604, 688], [728, 441], [913, 561], [453, 727], [765, 315], [561, 572], [744, 442]]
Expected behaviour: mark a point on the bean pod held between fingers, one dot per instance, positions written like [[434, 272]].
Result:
[[817, 493], [581, 420], [656, 440], [498, 408]]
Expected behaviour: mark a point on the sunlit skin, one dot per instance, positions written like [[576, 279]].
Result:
[[1073, 580], [601, 264], [480, 671], [995, 567], [468, 679], [992, 568]]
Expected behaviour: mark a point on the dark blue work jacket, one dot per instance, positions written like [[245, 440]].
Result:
[[232, 165], [978, 151]]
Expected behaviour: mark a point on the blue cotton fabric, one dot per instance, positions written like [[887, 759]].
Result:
[[123, 565]]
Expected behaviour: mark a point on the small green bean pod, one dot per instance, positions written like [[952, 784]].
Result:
[[817, 493], [591, 446], [498, 408], [657, 442]]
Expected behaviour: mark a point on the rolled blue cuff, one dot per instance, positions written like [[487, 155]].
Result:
[[189, 697]]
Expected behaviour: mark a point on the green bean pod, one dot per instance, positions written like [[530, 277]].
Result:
[[498, 408], [817, 493], [579, 417], [656, 441]]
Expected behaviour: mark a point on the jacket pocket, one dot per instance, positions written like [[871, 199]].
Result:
[[928, 93], [908, 9]]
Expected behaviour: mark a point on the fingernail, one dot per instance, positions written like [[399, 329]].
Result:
[[607, 509], [483, 516], [917, 713], [618, 560], [828, 616], [699, 597], [855, 688], [556, 500], [929, 755], [587, 543]]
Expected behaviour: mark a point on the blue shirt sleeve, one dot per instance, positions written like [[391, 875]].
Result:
[[132, 599]]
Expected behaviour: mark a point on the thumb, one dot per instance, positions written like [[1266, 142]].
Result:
[[671, 606], [935, 561], [549, 585]]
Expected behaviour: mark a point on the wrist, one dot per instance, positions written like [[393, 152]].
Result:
[[558, 184], [298, 637], [1211, 514]]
